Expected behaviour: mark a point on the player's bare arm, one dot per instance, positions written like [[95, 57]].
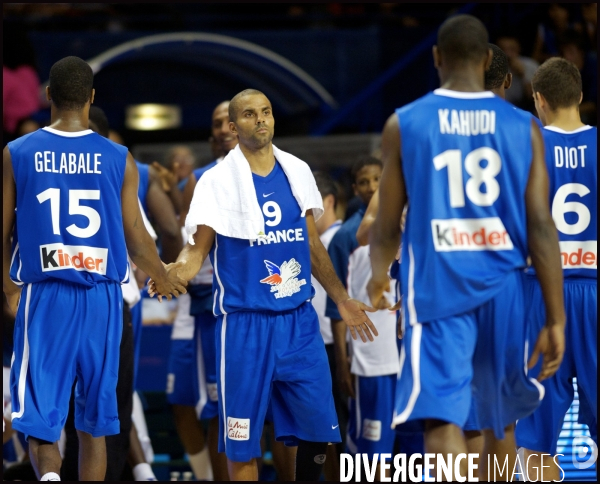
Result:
[[545, 256], [168, 182], [187, 195], [9, 203], [384, 236], [140, 245], [351, 310], [162, 211], [362, 234], [191, 258]]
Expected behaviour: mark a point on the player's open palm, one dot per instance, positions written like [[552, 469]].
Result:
[[353, 314], [551, 345]]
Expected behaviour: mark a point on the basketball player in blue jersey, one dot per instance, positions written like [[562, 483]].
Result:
[[498, 77], [572, 162], [471, 170], [268, 340], [71, 197]]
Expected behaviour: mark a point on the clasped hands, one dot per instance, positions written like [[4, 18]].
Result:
[[172, 285]]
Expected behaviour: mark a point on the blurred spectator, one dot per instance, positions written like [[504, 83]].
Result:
[[26, 126], [21, 84], [589, 13], [181, 160], [522, 69], [116, 137], [558, 20], [572, 48]]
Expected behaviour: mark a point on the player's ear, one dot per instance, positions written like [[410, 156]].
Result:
[[488, 61], [581, 98], [232, 127], [48, 98], [92, 96], [436, 57], [508, 81]]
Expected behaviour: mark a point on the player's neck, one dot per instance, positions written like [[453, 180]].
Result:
[[261, 161], [466, 79], [567, 119], [69, 121]]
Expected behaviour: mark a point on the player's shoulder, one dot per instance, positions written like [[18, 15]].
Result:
[[15, 144], [346, 234]]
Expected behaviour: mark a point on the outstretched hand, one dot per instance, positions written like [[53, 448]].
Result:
[[353, 314], [173, 285], [551, 345]]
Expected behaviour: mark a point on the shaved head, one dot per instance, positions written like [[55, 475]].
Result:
[[234, 104], [463, 38]]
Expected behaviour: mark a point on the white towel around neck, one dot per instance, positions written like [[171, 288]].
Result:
[[225, 198]]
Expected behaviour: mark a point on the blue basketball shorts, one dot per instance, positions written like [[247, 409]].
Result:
[[475, 357], [207, 405], [192, 369], [278, 356], [540, 431], [61, 336], [370, 423]]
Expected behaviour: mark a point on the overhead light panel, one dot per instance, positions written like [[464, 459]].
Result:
[[151, 117]]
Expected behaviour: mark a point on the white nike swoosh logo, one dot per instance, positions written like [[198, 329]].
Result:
[[268, 194], [333, 428]]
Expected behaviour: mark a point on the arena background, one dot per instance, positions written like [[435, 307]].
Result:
[[334, 72]]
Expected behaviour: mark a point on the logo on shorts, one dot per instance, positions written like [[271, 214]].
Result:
[[56, 257], [371, 430], [470, 234], [238, 428], [283, 278]]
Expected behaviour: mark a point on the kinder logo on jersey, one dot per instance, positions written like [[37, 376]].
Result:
[[283, 278], [56, 257], [579, 254], [238, 428], [470, 234]]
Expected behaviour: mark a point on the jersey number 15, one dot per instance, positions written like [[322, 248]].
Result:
[[53, 194]]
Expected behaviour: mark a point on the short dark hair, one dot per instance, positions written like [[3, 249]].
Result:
[[234, 104], [463, 38], [559, 81], [327, 186], [361, 163], [71, 82], [495, 75], [99, 120]]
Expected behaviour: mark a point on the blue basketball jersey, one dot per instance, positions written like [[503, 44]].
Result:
[[68, 221], [466, 159], [198, 172], [144, 182], [572, 161], [271, 273]]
